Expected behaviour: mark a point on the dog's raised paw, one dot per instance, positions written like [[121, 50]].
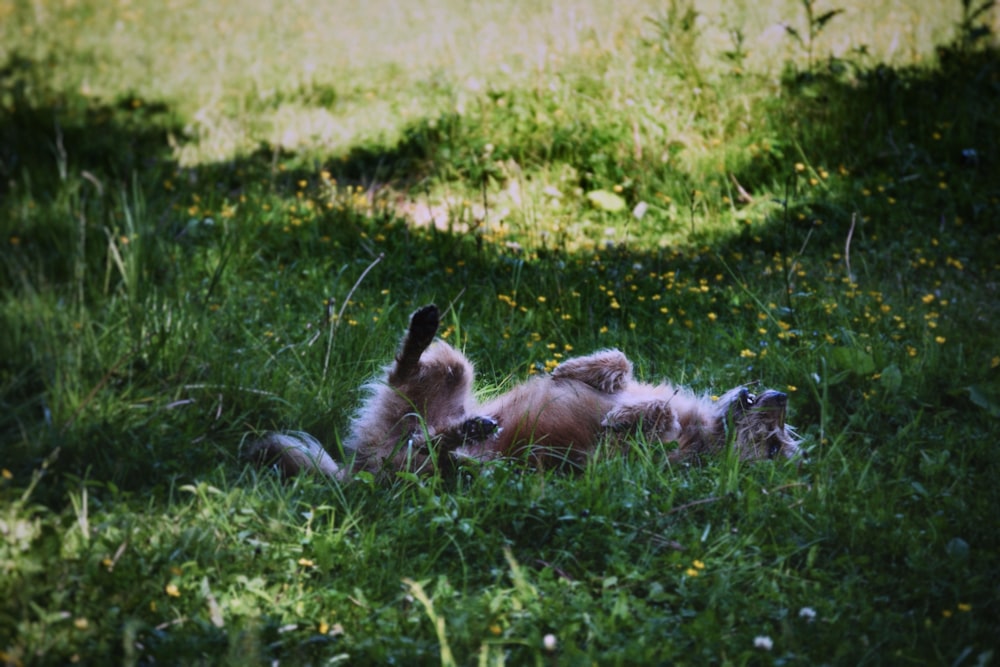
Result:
[[608, 371], [424, 324]]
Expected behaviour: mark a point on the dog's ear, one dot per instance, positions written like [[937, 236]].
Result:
[[745, 400], [740, 401], [734, 404]]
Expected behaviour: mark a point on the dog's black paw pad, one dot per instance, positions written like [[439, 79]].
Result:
[[423, 327], [427, 317], [479, 428]]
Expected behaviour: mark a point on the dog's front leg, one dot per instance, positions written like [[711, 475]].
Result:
[[608, 371], [467, 433], [470, 431]]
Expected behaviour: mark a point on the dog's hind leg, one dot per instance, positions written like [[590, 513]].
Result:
[[420, 334], [608, 371], [655, 419]]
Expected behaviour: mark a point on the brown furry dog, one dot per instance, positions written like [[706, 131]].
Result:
[[423, 416]]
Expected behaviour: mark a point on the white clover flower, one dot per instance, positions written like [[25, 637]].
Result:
[[807, 613], [549, 642], [763, 642]]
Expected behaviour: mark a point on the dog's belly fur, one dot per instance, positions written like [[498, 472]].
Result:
[[549, 421]]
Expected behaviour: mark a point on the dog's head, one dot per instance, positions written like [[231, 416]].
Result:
[[758, 424]]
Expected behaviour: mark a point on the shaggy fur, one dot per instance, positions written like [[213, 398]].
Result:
[[423, 416]]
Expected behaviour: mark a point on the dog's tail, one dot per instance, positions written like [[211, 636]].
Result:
[[293, 453]]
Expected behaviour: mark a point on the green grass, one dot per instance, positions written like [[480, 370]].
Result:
[[187, 193]]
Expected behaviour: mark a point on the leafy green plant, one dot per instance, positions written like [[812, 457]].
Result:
[[815, 24], [973, 26], [678, 34]]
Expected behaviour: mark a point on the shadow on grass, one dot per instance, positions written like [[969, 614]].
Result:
[[46, 133]]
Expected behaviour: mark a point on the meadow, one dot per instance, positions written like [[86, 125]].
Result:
[[215, 219]]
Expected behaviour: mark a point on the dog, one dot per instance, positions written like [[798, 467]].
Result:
[[422, 416]]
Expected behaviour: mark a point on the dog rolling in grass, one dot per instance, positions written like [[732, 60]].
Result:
[[423, 416]]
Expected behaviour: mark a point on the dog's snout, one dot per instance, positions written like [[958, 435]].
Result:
[[772, 398]]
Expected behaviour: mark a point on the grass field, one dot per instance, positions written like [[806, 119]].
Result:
[[215, 220]]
